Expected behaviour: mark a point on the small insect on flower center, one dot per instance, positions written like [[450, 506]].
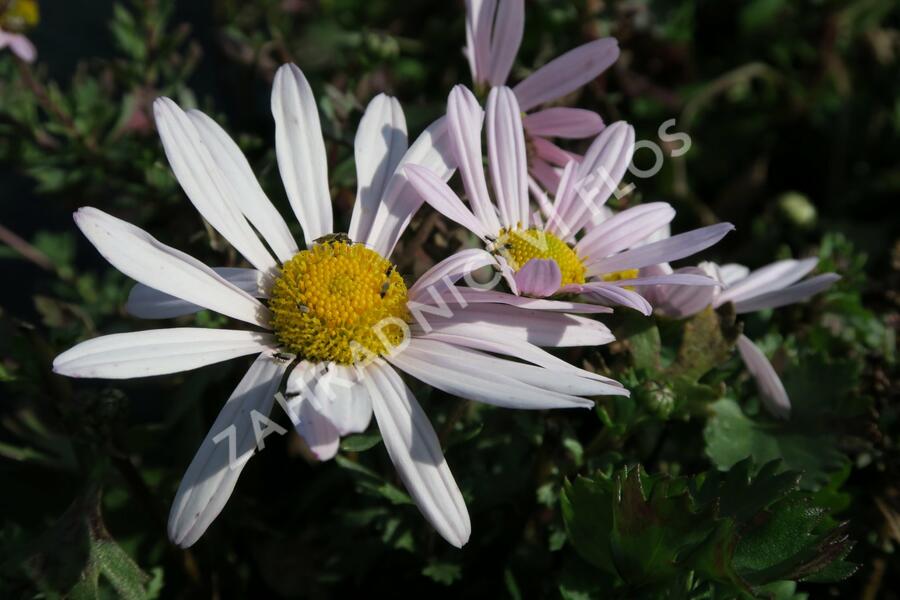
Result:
[[339, 301], [518, 246]]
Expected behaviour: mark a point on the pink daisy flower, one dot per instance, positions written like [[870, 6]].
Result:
[[574, 251]]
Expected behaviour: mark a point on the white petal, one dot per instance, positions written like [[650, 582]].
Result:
[[567, 73], [479, 23], [509, 24], [200, 169], [539, 278], [146, 303], [380, 144], [771, 390], [305, 398], [615, 295], [464, 122], [228, 446], [401, 200], [249, 195], [301, 152], [667, 250], [506, 157], [142, 257], [439, 195], [598, 175], [524, 351], [416, 453], [341, 396], [157, 352], [789, 295], [731, 273], [772, 277], [495, 321], [625, 229], [448, 271], [466, 295], [679, 301], [484, 378]]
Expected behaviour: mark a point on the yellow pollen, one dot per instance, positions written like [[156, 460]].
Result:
[[518, 246], [340, 302], [621, 275], [19, 15]]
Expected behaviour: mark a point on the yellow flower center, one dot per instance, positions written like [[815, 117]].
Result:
[[518, 246], [621, 275], [339, 301], [19, 15]]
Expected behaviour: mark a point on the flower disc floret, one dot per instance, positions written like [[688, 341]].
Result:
[[339, 301]]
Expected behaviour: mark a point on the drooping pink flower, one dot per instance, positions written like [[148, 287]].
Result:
[[493, 34], [775, 285], [570, 251]]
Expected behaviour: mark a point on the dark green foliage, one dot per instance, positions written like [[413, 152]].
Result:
[[687, 489]]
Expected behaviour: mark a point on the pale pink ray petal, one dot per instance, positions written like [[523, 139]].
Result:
[[521, 350], [539, 278], [567, 73], [249, 196], [678, 301], [230, 443], [542, 328], [300, 150], [158, 352], [147, 303], [563, 122], [506, 157], [142, 257], [612, 295], [465, 295], [416, 452], [305, 396], [667, 250], [202, 176], [481, 377], [772, 392], [464, 123], [379, 146], [448, 271], [20, 45], [624, 229], [506, 36], [772, 277], [400, 202], [479, 24], [439, 195], [798, 292], [599, 174], [545, 173], [551, 153]]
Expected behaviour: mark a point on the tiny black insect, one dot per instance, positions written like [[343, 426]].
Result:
[[283, 357], [302, 308], [333, 237]]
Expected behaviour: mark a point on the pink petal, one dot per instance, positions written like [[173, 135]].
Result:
[[439, 195], [546, 174], [20, 45], [464, 121], [613, 294], [575, 123], [539, 278], [663, 251], [567, 73], [772, 277], [772, 392], [625, 229], [506, 156], [479, 23], [507, 35], [789, 295]]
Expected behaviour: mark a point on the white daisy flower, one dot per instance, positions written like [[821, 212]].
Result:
[[775, 285], [575, 251], [337, 319]]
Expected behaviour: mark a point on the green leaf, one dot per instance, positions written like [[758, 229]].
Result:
[[360, 442], [442, 572], [586, 509]]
